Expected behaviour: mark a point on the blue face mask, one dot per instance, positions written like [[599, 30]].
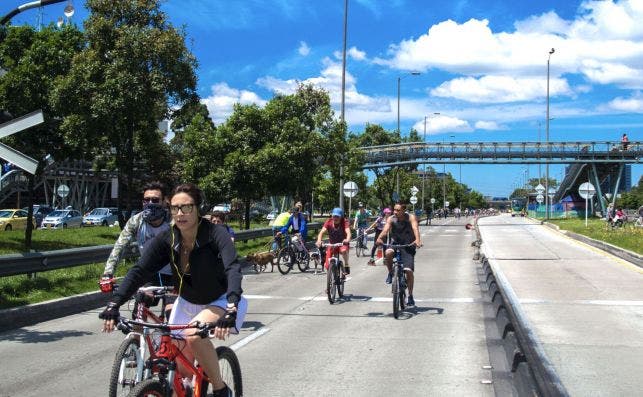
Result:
[[153, 212]]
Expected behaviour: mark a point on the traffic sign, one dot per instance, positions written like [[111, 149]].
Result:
[[413, 200], [540, 198], [350, 189], [586, 190], [432, 201], [414, 191], [540, 188], [446, 204], [10, 154], [62, 191]]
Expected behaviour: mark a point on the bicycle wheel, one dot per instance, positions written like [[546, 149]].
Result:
[[303, 261], [395, 288], [358, 247], [402, 291], [330, 282], [123, 376], [149, 387], [340, 280], [284, 261], [230, 372]]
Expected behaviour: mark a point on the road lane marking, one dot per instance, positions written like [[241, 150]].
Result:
[[240, 343], [582, 302], [363, 299]]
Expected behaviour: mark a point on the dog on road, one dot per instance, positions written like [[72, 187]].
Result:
[[260, 261]]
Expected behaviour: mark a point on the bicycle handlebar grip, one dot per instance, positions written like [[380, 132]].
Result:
[[106, 285]]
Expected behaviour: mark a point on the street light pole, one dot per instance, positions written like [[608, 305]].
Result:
[[424, 173], [547, 203], [341, 166], [399, 78]]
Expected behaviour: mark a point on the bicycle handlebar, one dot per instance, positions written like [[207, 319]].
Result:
[[156, 290], [125, 325], [333, 245], [397, 246]]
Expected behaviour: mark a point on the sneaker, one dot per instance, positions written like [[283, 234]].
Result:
[[410, 301], [371, 262], [347, 270], [389, 278], [225, 392]]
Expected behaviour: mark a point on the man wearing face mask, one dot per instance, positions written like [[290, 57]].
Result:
[[142, 228]]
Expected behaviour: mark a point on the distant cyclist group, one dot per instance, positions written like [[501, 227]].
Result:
[[182, 250]]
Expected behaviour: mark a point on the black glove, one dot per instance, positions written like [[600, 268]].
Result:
[[229, 319], [110, 313]]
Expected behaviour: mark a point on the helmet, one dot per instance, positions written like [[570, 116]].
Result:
[[386, 211], [337, 212]]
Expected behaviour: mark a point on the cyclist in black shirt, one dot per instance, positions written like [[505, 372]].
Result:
[[404, 230]]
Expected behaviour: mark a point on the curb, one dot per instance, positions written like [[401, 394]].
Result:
[[17, 317], [627, 255]]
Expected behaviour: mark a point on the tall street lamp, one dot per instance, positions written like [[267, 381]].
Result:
[[341, 166], [547, 129], [399, 78], [424, 173]]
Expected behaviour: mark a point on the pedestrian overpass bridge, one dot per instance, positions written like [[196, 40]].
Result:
[[595, 161]]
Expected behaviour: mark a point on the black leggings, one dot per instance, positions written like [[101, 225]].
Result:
[[377, 234]]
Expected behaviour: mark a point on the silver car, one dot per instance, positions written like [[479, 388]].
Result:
[[101, 217], [62, 219]]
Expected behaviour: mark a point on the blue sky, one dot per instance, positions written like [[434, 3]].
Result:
[[483, 66]]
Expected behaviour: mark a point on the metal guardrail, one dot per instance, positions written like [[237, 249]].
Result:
[[36, 262]]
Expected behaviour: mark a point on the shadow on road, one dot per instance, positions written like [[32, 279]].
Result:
[[252, 325], [24, 336]]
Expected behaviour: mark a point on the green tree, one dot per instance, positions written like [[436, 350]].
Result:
[[33, 61], [134, 68]]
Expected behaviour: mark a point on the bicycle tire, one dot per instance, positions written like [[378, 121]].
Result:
[[358, 247], [149, 387], [340, 281], [303, 263], [330, 282], [395, 288], [127, 350], [284, 261], [230, 372]]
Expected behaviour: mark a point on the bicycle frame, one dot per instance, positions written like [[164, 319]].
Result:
[[334, 280], [164, 361], [399, 283]]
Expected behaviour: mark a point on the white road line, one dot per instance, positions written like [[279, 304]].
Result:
[[239, 344], [582, 302], [364, 299]]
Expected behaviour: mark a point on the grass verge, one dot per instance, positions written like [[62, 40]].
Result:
[[23, 289], [627, 237]]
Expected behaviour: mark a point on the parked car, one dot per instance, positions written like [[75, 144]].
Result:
[[221, 207], [39, 212], [272, 215], [63, 219], [101, 217], [13, 219]]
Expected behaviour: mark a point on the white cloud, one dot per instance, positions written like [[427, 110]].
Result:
[[303, 50], [488, 125], [634, 104], [604, 43], [441, 123], [331, 80], [352, 52], [223, 98], [498, 89]]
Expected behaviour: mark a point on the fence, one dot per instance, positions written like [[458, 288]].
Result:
[[36, 262]]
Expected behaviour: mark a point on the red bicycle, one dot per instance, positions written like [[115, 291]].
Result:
[[161, 378], [129, 361]]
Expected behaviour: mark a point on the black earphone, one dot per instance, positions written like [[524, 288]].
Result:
[[203, 207]]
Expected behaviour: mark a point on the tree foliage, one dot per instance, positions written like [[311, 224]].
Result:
[[134, 68]]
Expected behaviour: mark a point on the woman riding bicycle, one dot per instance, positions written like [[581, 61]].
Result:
[[378, 225], [205, 271], [339, 231]]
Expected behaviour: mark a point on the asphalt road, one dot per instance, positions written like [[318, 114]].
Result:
[[294, 343], [584, 305]]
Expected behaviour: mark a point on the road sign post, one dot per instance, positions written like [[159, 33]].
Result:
[[350, 191], [586, 191]]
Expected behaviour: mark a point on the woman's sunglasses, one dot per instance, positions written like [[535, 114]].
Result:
[[185, 208]]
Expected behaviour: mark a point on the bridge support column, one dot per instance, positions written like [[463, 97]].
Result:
[[597, 184]]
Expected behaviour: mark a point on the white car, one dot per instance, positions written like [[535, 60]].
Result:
[[221, 207], [101, 217], [62, 219], [272, 215]]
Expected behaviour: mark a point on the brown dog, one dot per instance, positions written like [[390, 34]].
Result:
[[260, 260]]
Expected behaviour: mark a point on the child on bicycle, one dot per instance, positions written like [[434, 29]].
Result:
[[339, 231]]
